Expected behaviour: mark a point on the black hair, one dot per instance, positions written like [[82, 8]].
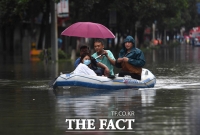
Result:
[[99, 40], [83, 56], [84, 46]]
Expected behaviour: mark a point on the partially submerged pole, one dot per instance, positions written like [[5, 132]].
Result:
[[54, 32]]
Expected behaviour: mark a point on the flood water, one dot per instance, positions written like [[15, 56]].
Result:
[[29, 107]]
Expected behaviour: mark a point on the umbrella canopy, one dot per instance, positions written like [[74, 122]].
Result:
[[88, 30]]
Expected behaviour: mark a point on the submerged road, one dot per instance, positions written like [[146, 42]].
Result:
[[28, 106]]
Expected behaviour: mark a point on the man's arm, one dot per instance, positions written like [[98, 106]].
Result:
[[110, 57], [111, 60], [139, 61], [106, 70]]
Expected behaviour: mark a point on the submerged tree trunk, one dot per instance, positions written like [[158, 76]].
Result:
[[140, 37], [44, 26], [48, 26], [11, 40], [41, 36], [165, 37], [8, 39], [73, 45], [3, 35]]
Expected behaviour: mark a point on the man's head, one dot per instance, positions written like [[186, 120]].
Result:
[[84, 49], [129, 39], [98, 45], [129, 42]]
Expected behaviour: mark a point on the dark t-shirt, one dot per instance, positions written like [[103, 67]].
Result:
[[94, 64]]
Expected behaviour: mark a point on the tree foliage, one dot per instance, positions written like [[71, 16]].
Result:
[[169, 14], [18, 11]]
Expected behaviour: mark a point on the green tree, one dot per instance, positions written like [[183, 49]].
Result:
[[169, 14], [17, 13], [10, 14], [190, 15]]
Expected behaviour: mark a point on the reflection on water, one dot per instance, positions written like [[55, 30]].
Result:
[[25, 111], [29, 106]]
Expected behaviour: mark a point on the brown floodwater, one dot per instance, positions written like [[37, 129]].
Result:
[[28, 106]]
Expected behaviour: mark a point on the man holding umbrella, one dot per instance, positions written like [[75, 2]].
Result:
[[104, 56], [94, 30]]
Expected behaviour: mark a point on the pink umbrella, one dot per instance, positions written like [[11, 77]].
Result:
[[88, 30]]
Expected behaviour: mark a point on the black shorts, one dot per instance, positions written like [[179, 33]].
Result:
[[99, 71]]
